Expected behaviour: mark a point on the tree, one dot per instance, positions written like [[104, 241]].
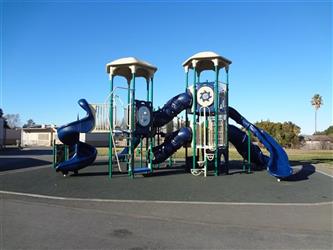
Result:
[[286, 134], [316, 102], [30, 123], [13, 120], [1, 113], [328, 131]]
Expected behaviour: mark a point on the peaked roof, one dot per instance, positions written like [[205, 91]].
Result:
[[205, 61], [125, 66]]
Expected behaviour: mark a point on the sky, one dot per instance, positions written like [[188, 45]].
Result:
[[54, 52]]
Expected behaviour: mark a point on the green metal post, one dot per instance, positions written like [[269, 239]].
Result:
[[54, 151], [128, 127], [131, 169], [206, 129], [186, 118], [194, 140], [227, 120], [148, 94], [198, 119], [158, 140], [66, 152], [111, 128], [216, 125], [152, 141], [170, 161], [249, 151], [147, 138], [141, 152]]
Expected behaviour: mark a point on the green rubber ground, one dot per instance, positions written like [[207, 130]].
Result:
[[172, 185]]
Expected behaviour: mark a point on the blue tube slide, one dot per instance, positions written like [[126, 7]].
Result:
[[175, 141], [68, 134], [278, 162], [162, 116], [171, 109]]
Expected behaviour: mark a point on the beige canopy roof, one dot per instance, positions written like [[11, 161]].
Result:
[[127, 66], [206, 60]]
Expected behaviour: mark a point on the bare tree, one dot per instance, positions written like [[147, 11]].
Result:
[[30, 123], [13, 120]]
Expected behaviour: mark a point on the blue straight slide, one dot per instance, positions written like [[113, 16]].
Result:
[[278, 162], [68, 134], [239, 139]]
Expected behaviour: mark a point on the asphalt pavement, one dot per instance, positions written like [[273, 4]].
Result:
[[40, 209]]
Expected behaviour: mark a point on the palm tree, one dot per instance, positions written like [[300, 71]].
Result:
[[316, 102]]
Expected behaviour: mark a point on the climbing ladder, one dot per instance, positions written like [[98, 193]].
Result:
[[203, 143]]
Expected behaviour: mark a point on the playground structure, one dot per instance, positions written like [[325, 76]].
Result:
[[209, 112], [205, 136]]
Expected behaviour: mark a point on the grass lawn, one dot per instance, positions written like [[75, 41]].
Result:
[[310, 156], [296, 156]]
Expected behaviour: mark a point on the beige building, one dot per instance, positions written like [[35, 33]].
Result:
[[38, 136], [314, 142]]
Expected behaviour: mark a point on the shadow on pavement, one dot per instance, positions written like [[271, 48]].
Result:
[[89, 174], [237, 167], [310, 162], [20, 163], [302, 174], [156, 172], [26, 151]]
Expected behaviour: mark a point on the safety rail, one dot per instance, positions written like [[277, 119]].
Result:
[[102, 112]]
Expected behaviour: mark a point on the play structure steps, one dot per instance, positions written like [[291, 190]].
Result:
[[139, 170], [199, 171], [201, 163]]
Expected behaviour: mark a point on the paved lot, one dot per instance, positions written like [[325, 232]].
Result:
[[278, 215], [42, 223], [13, 158]]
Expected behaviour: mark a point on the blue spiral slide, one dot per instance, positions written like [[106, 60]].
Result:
[[69, 134]]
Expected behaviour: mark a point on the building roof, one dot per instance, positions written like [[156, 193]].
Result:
[[206, 60], [38, 130], [127, 66], [319, 138]]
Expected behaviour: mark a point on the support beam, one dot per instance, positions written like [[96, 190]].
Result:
[[216, 123], [227, 120], [148, 139], [194, 121], [132, 155], [152, 140], [111, 127], [186, 116]]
